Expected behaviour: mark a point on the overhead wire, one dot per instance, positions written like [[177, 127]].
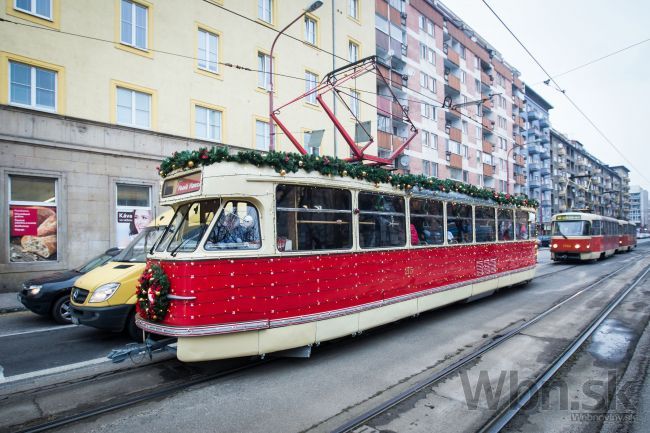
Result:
[[563, 91]]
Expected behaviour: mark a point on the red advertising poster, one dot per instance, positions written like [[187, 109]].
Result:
[[24, 221]]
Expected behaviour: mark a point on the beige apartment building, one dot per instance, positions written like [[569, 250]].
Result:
[[94, 94]]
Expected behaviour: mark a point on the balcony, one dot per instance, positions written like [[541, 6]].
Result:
[[452, 57], [455, 134], [488, 105], [545, 170], [561, 165], [547, 185], [543, 122], [561, 151], [562, 193], [533, 182], [487, 124], [486, 79], [562, 180], [455, 161], [519, 160], [488, 146], [544, 153], [520, 179], [388, 141], [519, 140], [545, 138], [452, 84], [488, 170], [533, 166], [595, 180], [532, 115], [546, 203], [520, 121], [533, 148]]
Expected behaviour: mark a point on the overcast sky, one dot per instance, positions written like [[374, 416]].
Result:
[[563, 34]]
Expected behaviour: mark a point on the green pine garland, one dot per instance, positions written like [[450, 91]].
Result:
[[292, 162]]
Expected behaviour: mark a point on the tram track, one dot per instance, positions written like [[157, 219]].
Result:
[[199, 379], [359, 423]]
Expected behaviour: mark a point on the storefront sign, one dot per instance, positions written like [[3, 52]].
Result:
[[24, 221]]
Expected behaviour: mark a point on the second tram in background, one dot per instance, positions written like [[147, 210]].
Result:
[[585, 236]]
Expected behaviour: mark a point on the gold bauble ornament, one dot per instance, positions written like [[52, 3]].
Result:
[[364, 174], [300, 163], [190, 164], [345, 173], [390, 178], [283, 172]]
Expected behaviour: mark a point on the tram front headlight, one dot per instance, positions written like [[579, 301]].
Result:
[[103, 292], [577, 246], [554, 245]]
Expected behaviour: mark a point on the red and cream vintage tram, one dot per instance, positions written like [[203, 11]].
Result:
[[259, 259], [627, 236], [583, 236]]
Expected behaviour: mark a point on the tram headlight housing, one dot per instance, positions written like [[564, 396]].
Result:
[[103, 292], [554, 245], [577, 246]]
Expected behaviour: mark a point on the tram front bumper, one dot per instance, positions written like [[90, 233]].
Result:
[[108, 318]]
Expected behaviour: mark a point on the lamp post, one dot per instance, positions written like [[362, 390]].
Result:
[[315, 5]]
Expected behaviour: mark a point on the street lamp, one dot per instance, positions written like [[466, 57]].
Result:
[[315, 5]]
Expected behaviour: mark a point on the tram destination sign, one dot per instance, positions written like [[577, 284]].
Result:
[[567, 217], [182, 185]]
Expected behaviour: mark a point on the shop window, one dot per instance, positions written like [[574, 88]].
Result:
[[459, 223], [381, 221], [33, 220], [311, 218], [484, 218], [133, 212], [428, 221]]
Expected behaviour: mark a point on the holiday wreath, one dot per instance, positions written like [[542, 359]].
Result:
[[152, 291]]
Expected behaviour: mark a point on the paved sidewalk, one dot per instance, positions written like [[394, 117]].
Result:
[[9, 303]]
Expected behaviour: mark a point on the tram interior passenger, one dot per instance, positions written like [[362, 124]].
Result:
[[236, 228]]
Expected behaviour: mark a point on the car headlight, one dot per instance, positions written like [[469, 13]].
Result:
[[103, 292], [34, 289]]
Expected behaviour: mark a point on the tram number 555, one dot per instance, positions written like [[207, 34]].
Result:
[[486, 267]]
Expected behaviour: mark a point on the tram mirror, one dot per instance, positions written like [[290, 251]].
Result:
[[314, 138], [362, 132]]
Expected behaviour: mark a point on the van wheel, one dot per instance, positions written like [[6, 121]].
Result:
[[132, 330], [61, 310]]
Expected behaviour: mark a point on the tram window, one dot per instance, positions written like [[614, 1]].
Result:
[[532, 226], [485, 218], [572, 228], [521, 225], [382, 222], [310, 218], [506, 224], [188, 226], [459, 224], [595, 228], [238, 228], [428, 220]]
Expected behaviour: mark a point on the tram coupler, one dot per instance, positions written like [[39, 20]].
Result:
[[149, 347]]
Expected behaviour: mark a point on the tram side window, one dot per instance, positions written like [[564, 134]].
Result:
[[595, 227], [311, 218], [428, 220], [237, 228], [521, 225], [506, 224], [485, 218], [382, 222], [459, 224], [188, 226], [532, 226]]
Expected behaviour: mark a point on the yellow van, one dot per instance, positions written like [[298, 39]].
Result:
[[105, 298]]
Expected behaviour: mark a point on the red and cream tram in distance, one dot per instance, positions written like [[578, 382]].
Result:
[[258, 261], [585, 236]]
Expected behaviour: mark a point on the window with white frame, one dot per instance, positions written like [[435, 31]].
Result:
[[425, 24], [311, 150], [265, 10], [31, 86], [465, 176], [310, 30], [428, 111], [263, 70], [39, 8], [456, 174], [463, 76], [501, 121], [465, 127], [354, 102], [383, 123], [479, 134], [465, 151], [477, 63], [477, 85], [134, 24], [453, 147], [262, 135], [353, 9], [208, 123], [426, 168], [353, 51], [424, 138], [427, 82], [208, 51], [478, 156], [462, 52], [310, 84], [434, 141], [133, 108]]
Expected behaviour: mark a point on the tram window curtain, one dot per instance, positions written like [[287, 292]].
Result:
[[506, 224], [428, 220], [459, 223], [382, 222], [485, 218], [521, 226], [311, 218]]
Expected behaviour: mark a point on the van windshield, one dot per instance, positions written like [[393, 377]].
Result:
[[137, 250]]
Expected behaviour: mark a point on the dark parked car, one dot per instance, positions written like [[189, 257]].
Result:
[[49, 295], [544, 240]]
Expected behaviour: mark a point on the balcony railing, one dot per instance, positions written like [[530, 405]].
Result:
[[452, 83], [455, 134], [488, 170], [487, 124], [488, 146]]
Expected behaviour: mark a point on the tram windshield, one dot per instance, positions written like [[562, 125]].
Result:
[[571, 228], [188, 226], [137, 250]]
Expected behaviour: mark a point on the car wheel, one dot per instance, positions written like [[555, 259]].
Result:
[[134, 332], [61, 310]]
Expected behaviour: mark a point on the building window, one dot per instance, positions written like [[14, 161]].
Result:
[[427, 82], [353, 9], [208, 123], [353, 51], [465, 176], [311, 150], [262, 135], [265, 10], [311, 27], [134, 24], [263, 70], [425, 139], [434, 142], [462, 52], [310, 84], [463, 76], [354, 102], [383, 123], [33, 219], [134, 212], [465, 127], [208, 51], [133, 108], [33, 87], [477, 63], [39, 8]]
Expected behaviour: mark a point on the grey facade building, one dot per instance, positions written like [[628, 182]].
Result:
[[639, 206]]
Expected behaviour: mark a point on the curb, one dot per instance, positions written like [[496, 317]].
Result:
[[5, 310]]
